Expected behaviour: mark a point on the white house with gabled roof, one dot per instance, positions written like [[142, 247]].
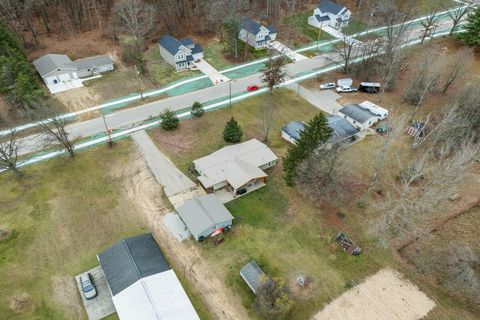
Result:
[[180, 54], [331, 14], [256, 34]]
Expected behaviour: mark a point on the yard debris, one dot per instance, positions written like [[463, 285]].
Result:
[[5, 234], [346, 244], [20, 302], [455, 197]]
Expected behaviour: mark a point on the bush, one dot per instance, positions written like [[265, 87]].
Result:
[[197, 109], [273, 300], [169, 120], [233, 132]]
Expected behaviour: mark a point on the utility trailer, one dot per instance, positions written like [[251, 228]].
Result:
[[346, 244]]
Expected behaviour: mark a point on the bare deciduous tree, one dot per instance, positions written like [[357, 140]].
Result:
[[345, 52], [55, 129], [457, 65], [459, 13], [9, 147], [430, 23], [136, 18]]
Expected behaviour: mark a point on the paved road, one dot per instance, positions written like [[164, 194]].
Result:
[[173, 180]]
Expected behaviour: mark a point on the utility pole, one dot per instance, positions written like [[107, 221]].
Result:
[[318, 38], [110, 142], [139, 82], [230, 89]]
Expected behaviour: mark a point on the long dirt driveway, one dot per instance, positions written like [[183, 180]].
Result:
[[142, 189]]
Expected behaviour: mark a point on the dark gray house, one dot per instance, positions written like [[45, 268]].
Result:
[[203, 215], [180, 54], [142, 284], [358, 116], [253, 275]]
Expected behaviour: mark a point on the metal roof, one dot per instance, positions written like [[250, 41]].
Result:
[[203, 212], [254, 27], [253, 275], [170, 44], [341, 128], [131, 259], [52, 62], [91, 62], [197, 49], [322, 19], [357, 113], [293, 129], [186, 42], [329, 6]]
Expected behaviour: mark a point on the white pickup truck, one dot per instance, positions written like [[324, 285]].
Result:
[[346, 89]]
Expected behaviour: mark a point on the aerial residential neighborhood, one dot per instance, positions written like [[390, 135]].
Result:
[[287, 160]]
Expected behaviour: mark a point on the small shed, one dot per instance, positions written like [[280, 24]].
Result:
[[253, 275], [203, 215]]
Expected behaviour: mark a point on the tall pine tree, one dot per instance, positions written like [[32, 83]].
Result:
[[233, 132], [471, 34], [316, 133]]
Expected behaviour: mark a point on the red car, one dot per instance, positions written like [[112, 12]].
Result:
[[252, 88]]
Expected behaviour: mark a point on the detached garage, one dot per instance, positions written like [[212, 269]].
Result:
[[203, 215], [142, 284]]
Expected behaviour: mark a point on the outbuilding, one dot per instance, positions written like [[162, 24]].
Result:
[[359, 117], [253, 276], [142, 284], [204, 215]]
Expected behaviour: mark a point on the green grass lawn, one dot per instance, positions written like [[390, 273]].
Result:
[[162, 73], [354, 26], [285, 233], [214, 55], [299, 22]]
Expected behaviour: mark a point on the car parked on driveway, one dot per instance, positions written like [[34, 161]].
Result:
[[252, 88], [327, 85], [89, 288], [346, 89]]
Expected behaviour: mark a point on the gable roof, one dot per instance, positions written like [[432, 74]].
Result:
[[203, 212], [341, 128], [357, 113], [90, 62], [293, 129], [253, 275], [130, 260], [271, 28], [186, 42], [329, 6], [52, 62], [170, 44], [237, 164], [254, 27]]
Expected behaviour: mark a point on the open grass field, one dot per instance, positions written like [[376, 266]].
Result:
[[299, 22], [60, 216], [217, 57]]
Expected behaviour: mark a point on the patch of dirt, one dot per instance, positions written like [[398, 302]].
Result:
[[64, 293], [20, 302], [78, 99], [5, 233], [142, 189], [305, 292], [385, 295]]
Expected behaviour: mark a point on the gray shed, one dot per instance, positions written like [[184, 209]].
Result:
[[203, 215], [253, 275]]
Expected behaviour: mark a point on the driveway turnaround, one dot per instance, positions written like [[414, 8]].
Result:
[[325, 100], [216, 77], [166, 173], [280, 47], [101, 306]]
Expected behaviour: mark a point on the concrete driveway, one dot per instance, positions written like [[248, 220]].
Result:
[[173, 180], [280, 47], [325, 100], [216, 77], [101, 306]]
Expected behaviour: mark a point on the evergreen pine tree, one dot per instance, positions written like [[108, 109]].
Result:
[[471, 34], [169, 120], [233, 132], [197, 109], [316, 132]]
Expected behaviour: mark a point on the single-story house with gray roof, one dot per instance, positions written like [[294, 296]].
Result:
[[180, 54], [253, 275], [255, 34], [60, 73], [358, 116], [341, 130], [329, 13], [142, 284], [203, 215]]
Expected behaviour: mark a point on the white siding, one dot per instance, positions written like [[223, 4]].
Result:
[[287, 137]]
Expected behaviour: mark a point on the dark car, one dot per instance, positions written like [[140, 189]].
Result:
[[89, 288]]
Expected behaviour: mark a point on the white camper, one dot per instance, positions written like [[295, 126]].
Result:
[[380, 112]]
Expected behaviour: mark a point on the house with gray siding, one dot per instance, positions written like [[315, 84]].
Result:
[[256, 35], [203, 215], [60, 73], [180, 54], [329, 13]]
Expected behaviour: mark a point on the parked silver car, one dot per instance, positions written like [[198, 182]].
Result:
[[326, 86], [89, 288]]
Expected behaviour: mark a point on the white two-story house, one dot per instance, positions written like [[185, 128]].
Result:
[[255, 34], [180, 53], [330, 14]]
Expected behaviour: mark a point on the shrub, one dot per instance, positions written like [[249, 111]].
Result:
[[197, 109], [169, 120]]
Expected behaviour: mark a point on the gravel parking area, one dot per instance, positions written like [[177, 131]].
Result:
[[101, 306]]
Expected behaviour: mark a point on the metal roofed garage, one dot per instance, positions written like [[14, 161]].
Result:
[[141, 282], [203, 215]]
